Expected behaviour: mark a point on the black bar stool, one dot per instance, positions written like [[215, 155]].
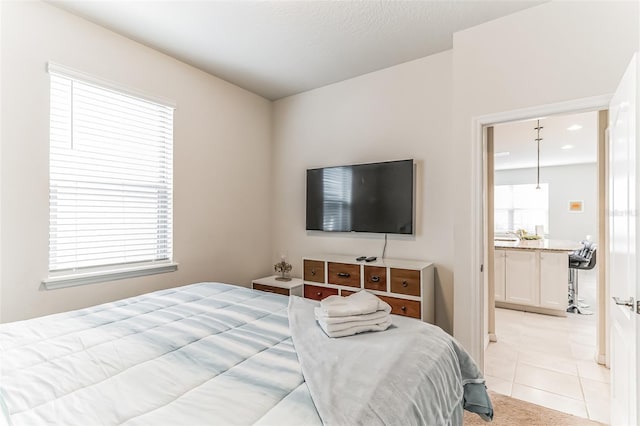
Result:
[[583, 259]]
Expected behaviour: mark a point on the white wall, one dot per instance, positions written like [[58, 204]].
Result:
[[569, 182], [555, 52], [396, 113], [221, 160]]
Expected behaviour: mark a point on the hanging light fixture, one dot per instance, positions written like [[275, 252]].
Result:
[[538, 139]]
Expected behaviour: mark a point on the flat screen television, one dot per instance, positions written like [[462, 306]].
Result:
[[375, 197]]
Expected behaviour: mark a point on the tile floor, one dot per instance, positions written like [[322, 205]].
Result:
[[550, 361]]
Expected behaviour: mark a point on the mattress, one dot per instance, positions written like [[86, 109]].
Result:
[[206, 353]]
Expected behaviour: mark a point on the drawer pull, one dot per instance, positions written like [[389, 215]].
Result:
[[375, 279], [404, 283], [319, 293], [313, 271], [403, 308], [344, 274]]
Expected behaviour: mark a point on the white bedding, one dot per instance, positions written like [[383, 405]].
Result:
[[200, 354], [206, 353], [411, 374]]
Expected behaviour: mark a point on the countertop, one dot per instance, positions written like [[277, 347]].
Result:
[[542, 245]]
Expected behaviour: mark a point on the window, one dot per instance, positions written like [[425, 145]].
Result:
[[110, 188], [521, 207]]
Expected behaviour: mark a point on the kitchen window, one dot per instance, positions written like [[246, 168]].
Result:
[[521, 207]]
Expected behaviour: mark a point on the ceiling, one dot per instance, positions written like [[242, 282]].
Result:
[[280, 48], [518, 140]]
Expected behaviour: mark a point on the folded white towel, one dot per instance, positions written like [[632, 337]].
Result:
[[347, 325], [355, 329], [321, 316], [358, 303]]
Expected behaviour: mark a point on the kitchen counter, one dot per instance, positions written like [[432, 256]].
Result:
[[542, 245]]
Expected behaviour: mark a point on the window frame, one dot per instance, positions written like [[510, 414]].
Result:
[[88, 275], [510, 212]]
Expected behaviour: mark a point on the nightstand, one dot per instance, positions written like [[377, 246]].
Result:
[[271, 285]]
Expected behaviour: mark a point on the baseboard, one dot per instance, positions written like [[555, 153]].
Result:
[[534, 309]]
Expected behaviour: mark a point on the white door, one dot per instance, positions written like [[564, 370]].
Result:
[[622, 252]]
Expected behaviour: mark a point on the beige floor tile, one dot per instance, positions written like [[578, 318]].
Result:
[[599, 411], [585, 334], [595, 391], [508, 314], [499, 385], [556, 348], [513, 339], [550, 400], [504, 369], [540, 320], [583, 352], [555, 363], [547, 380], [550, 362], [594, 371], [502, 351]]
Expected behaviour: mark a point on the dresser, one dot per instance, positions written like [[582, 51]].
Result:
[[406, 285]]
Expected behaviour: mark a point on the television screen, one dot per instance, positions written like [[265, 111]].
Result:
[[376, 197]]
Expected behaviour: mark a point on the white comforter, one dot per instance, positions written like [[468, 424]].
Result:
[[201, 354]]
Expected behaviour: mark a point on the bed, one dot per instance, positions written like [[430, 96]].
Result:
[[212, 353]]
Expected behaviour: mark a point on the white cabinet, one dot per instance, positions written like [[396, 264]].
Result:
[[521, 275], [554, 272], [532, 278], [499, 274]]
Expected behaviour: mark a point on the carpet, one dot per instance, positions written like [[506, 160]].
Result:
[[510, 411]]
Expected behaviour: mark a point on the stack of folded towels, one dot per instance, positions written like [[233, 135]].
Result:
[[344, 316]]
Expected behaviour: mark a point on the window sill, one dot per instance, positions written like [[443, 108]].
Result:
[[73, 280]]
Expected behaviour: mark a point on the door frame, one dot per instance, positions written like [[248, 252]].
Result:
[[481, 246]]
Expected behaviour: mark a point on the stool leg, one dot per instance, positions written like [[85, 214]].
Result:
[[573, 307], [579, 309]]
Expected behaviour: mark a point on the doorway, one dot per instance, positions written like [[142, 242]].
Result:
[[543, 181]]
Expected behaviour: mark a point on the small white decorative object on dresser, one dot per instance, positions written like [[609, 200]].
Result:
[[272, 285], [406, 285]]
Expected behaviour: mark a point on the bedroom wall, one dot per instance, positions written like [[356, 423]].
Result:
[[555, 52], [392, 114], [221, 160], [568, 182]]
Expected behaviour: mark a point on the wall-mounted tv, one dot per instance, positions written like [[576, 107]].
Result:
[[375, 197]]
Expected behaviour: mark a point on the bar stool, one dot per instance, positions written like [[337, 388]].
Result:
[[583, 259]]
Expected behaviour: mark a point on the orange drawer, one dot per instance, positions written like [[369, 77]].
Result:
[[407, 308], [271, 289], [346, 293], [314, 271], [344, 274], [405, 281], [375, 278], [318, 293]]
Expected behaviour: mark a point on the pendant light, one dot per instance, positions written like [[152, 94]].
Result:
[[538, 139]]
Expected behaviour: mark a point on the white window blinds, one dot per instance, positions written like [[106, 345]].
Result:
[[521, 207], [111, 166]]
